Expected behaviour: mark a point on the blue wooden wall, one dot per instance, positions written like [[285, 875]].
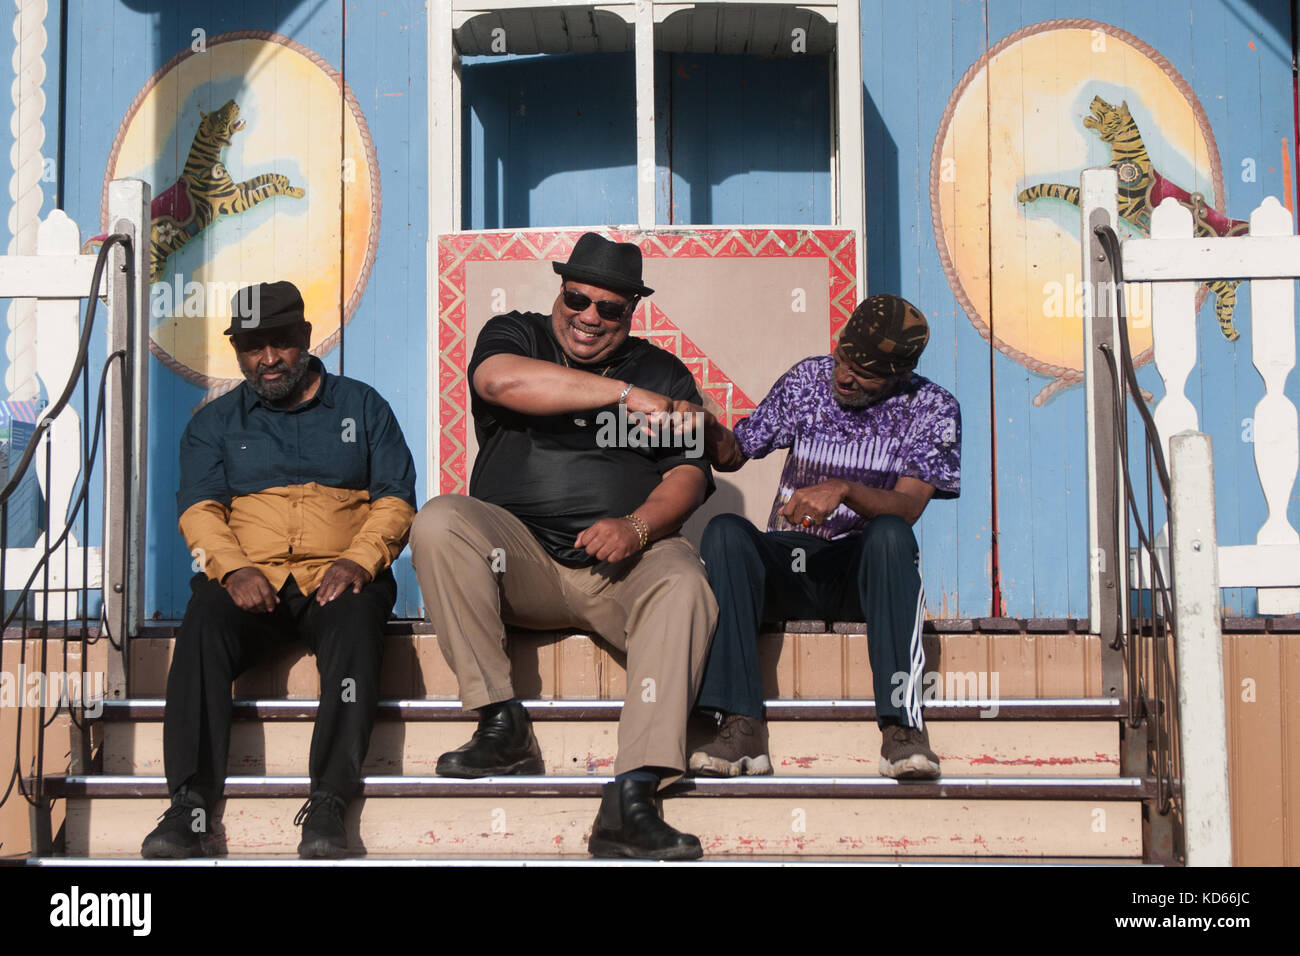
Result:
[[113, 49], [550, 142]]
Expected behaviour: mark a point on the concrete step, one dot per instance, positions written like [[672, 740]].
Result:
[[521, 816], [1071, 737], [809, 660]]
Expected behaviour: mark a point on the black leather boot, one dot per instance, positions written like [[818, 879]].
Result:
[[504, 743], [629, 825]]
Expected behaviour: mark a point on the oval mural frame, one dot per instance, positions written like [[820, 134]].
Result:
[[217, 386], [1062, 376]]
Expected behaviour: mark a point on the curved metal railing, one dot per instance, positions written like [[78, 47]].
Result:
[[1149, 637], [28, 780]]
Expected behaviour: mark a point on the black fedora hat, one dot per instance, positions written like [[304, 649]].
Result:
[[611, 265], [267, 305]]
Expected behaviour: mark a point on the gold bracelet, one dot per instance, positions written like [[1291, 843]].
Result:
[[642, 529]]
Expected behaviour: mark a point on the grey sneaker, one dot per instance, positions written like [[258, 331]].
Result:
[[905, 754], [739, 747]]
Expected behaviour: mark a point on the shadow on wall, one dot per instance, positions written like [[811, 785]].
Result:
[[745, 139], [882, 228], [551, 140], [528, 119]]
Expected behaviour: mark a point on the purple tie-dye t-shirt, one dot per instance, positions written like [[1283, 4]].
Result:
[[915, 433]]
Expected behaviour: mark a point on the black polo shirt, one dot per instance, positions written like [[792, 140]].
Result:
[[551, 471]]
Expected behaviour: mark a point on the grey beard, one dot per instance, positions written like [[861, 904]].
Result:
[[867, 399], [278, 391]]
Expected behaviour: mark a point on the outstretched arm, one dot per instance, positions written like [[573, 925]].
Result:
[[535, 387], [720, 445]]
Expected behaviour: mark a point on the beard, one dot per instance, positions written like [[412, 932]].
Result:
[[283, 387], [867, 399]]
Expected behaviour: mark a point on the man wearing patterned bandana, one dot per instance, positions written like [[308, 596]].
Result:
[[871, 442]]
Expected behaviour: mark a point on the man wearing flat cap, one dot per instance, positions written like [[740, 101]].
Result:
[[296, 495], [870, 443], [565, 528]]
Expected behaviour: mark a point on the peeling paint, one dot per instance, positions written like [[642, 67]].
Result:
[[1038, 761]]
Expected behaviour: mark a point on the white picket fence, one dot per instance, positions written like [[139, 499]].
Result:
[[1176, 263], [50, 288]]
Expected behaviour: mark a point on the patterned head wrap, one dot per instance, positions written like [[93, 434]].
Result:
[[885, 335]]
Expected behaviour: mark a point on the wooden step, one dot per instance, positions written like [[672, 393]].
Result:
[[1042, 737], [818, 661], [560, 861], [831, 816]]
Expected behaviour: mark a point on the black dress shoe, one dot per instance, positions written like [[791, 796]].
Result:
[[503, 744], [629, 825], [323, 834], [179, 834]]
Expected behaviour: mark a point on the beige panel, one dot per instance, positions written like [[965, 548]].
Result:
[[857, 661], [578, 669], [1232, 701], [1289, 668], [434, 679], [532, 666], [297, 676], [776, 659], [1061, 665], [150, 659], [1013, 665], [613, 673], [401, 667], [1258, 750], [1092, 658], [964, 653], [726, 826], [818, 667]]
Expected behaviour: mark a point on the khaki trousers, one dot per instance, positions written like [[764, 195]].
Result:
[[480, 569]]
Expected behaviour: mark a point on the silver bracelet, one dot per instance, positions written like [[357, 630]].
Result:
[[622, 397]]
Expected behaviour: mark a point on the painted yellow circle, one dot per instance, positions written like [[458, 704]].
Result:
[[293, 125], [1017, 121]]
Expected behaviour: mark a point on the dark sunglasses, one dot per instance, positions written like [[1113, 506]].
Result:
[[605, 308]]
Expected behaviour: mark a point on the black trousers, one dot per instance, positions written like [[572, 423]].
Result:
[[218, 641], [788, 575]]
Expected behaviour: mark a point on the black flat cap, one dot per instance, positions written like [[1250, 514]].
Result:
[[268, 305], [611, 265]]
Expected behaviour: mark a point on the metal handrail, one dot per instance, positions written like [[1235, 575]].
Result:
[[34, 794], [1149, 636]]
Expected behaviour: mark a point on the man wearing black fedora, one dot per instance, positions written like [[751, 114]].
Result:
[[296, 494], [572, 525]]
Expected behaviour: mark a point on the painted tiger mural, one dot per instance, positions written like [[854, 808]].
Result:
[[1142, 189], [206, 190]]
